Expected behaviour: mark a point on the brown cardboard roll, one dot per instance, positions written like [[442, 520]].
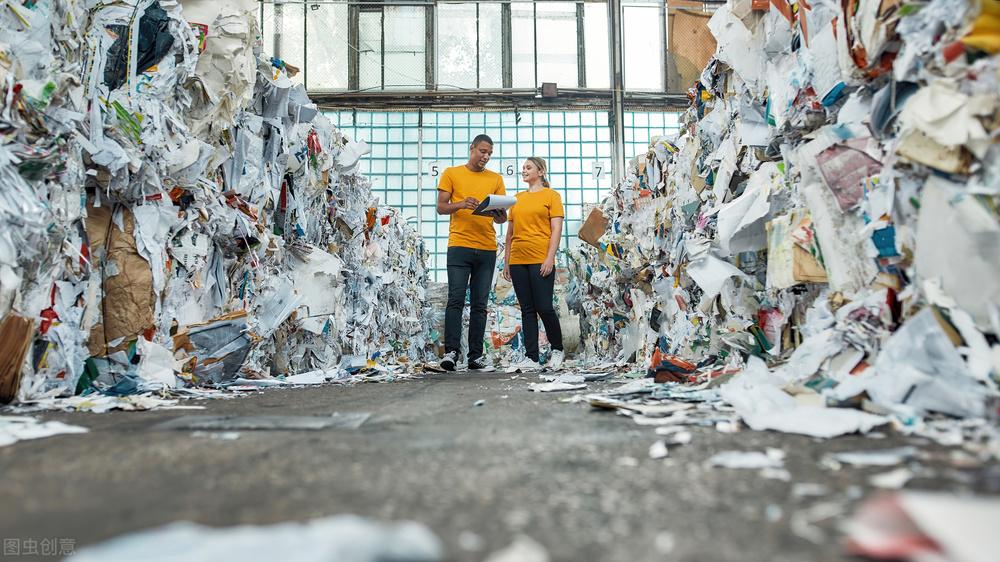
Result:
[[16, 333]]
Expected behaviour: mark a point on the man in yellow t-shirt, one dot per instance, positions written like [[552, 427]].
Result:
[[472, 249]]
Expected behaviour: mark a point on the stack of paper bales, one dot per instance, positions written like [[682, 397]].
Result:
[[826, 222], [175, 210]]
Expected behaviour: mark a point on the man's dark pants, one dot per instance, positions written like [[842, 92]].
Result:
[[468, 268]]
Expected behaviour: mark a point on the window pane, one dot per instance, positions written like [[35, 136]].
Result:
[[456, 31], [490, 46], [267, 29], [557, 43], [522, 44], [404, 47], [370, 50], [643, 45], [284, 34], [326, 58], [595, 22]]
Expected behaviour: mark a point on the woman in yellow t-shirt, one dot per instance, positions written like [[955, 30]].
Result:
[[533, 233]]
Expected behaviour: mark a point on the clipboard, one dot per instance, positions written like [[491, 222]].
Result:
[[494, 203]]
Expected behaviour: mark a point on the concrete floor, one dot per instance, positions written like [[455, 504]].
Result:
[[578, 481]]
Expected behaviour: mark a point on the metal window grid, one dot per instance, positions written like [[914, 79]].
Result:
[[641, 126], [570, 141]]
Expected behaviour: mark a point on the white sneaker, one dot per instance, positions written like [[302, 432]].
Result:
[[524, 366], [448, 361], [479, 364], [555, 360]]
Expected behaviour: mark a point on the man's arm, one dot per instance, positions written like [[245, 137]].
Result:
[[499, 216], [445, 207]]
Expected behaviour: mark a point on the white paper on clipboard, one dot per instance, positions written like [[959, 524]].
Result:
[[495, 203]]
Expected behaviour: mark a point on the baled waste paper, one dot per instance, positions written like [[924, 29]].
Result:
[[175, 211], [818, 249]]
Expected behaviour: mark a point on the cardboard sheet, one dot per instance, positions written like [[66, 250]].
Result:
[[593, 228], [127, 301]]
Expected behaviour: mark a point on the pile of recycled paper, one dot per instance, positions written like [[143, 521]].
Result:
[[826, 225], [174, 210], [505, 340]]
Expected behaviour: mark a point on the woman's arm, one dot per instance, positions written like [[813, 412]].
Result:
[[549, 265], [506, 250]]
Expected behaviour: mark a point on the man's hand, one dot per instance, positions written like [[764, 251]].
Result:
[[547, 267], [470, 203], [499, 216], [506, 272]]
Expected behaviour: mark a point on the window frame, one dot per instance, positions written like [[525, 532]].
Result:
[[431, 40]]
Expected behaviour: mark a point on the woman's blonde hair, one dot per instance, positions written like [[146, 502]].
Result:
[[539, 163]]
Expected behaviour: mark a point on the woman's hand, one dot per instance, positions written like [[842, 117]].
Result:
[[506, 272], [548, 266]]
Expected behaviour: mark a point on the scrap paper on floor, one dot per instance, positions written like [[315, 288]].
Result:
[[926, 526]]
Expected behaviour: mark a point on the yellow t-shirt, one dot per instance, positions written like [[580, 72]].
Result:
[[531, 218], [467, 230]]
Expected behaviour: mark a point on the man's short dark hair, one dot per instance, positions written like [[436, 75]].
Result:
[[482, 138]]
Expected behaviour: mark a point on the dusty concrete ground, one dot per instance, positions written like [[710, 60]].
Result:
[[577, 480]]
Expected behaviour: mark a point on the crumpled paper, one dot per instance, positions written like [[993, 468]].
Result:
[[821, 226], [181, 213]]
